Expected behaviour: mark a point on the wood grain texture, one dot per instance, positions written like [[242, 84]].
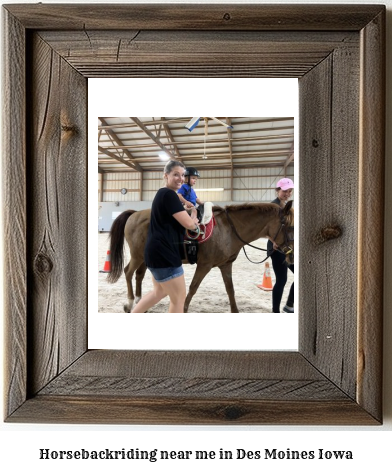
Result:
[[335, 378], [371, 215], [208, 364], [14, 212], [101, 409], [57, 215], [205, 374], [194, 53], [191, 387], [192, 17], [329, 196], [188, 387]]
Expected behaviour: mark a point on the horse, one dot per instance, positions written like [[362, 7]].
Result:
[[236, 225]]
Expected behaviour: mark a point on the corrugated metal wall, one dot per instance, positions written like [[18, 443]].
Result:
[[153, 180], [250, 184], [114, 182], [257, 184]]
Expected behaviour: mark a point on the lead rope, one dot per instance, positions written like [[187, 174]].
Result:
[[251, 261], [243, 241]]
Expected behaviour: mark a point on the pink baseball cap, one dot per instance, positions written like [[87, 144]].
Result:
[[285, 184]]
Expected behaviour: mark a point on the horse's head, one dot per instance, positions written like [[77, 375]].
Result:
[[284, 232]]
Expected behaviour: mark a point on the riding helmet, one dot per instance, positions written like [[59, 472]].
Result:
[[192, 172]]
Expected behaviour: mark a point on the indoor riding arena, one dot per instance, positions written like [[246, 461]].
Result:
[[240, 160]]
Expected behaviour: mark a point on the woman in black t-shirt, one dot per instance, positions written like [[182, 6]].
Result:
[[163, 251]]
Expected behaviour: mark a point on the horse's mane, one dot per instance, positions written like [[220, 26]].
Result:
[[263, 207], [217, 209], [290, 217]]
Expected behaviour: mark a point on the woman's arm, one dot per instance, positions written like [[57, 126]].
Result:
[[186, 220]]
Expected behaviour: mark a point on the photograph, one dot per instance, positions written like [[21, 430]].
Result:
[[225, 242]]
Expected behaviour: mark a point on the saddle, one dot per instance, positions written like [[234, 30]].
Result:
[[206, 213], [207, 224]]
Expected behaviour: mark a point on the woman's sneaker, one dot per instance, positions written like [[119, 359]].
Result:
[[288, 309]]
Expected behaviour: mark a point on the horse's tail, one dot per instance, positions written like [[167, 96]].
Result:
[[116, 237]]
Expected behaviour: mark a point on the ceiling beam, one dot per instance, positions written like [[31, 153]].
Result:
[[153, 137], [196, 131], [171, 139], [116, 139], [239, 121], [121, 160], [230, 149], [201, 167], [290, 158], [236, 141], [221, 155]]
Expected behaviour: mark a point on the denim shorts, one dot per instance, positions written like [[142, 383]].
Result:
[[165, 274]]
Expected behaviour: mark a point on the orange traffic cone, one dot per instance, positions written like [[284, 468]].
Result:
[[107, 268], [267, 281]]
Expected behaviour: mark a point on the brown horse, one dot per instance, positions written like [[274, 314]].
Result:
[[235, 225]]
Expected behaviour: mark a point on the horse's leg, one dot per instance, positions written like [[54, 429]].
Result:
[[226, 271], [200, 273], [129, 270], [140, 272]]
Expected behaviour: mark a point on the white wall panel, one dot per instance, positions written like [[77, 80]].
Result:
[[148, 195], [214, 196], [250, 184]]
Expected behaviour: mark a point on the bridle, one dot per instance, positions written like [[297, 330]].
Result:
[[288, 232]]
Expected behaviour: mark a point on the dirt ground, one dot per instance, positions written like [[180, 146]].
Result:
[[211, 296]]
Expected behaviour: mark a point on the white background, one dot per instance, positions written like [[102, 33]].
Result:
[[208, 97], [20, 444]]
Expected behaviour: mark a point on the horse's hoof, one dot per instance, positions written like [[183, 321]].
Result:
[[127, 308]]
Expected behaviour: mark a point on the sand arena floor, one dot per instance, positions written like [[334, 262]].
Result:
[[211, 296]]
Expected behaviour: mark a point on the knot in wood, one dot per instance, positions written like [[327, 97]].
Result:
[[69, 128], [327, 233], [43, 264], [232, 413], [227, 16]]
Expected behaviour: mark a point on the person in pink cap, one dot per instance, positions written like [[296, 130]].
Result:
[[284, 189]]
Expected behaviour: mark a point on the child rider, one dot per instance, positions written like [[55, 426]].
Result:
[[187, 194]]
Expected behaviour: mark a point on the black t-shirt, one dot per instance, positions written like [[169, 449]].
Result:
[[164, 246]]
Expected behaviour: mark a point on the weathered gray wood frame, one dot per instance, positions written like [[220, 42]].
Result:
[[337, 52]]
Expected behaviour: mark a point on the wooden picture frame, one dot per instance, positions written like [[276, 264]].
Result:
[[338, 54]]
